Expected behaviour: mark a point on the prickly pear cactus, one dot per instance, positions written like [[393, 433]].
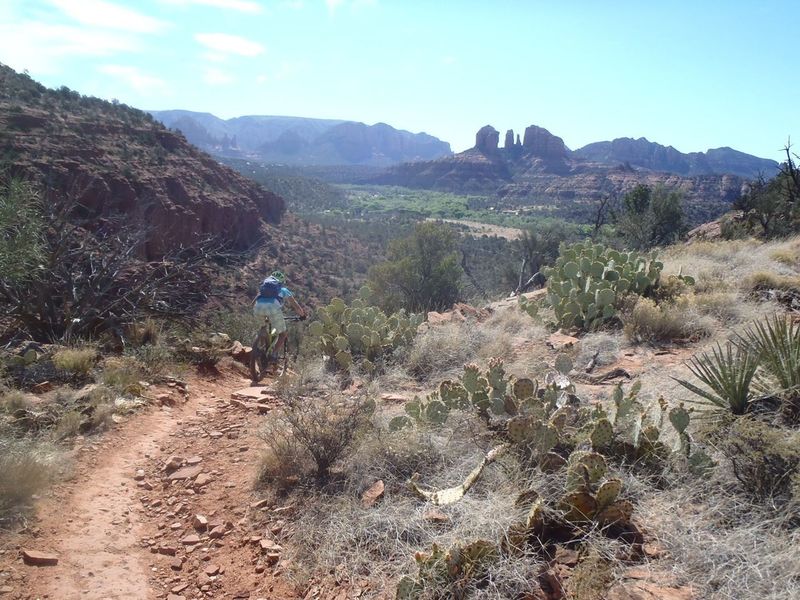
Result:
[[360, 332], [588, 279]]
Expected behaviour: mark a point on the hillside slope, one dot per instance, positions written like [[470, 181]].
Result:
[[113, 160]]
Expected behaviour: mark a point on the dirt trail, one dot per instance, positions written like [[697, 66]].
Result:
[[125, 528]]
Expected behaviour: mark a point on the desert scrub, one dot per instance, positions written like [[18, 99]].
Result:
[[765, 460], [123, 374], [768, 280], [651, 323], [75, 361], [241, 325], [26, 468], [442, 349], [313, 431], [13, 400]]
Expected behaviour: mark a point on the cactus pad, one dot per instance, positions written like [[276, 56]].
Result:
[[524, 388], [578, 507], [603, 434], [608, 493], [619, 513], [552, 462], [679, 417]]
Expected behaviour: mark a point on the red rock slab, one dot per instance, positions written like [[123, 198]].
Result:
[[36, 558], [560, 341], [186, 473], [373, 494]]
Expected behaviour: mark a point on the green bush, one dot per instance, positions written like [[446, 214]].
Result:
[[422, 271]]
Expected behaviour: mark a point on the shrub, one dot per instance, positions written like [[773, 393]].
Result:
[[650, 323], [154, 359], [77, 361], [422, 271], [122, 375], [764, 459], [323, 430], [26, 468], [768, 280], [441, 349]]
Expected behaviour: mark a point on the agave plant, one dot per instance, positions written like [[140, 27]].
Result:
[[776, 343], [728, 373]]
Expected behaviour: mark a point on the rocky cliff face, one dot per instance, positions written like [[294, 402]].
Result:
[[302, 141], [118, 164], [653, 156]]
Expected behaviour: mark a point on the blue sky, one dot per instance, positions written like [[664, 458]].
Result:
[[694, 75]]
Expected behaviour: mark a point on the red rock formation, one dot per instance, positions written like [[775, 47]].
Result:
[[120, 165]]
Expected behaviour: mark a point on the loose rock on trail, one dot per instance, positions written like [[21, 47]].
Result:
[[160, 507]]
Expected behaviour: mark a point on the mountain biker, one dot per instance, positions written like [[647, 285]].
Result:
[[271, 306]]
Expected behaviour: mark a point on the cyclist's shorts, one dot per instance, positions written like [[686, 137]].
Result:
[[272, 311]]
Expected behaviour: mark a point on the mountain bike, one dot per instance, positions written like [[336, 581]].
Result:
[[261, 357]]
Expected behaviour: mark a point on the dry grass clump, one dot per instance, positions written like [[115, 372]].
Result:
[[768, 280], [123, 375], [442, 350], [723, 306], [765, 460], [504, 331], [14, 400], [26, 468], [727, 547], [652, 323], [77, 361]]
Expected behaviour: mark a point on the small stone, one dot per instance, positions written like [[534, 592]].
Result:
[[6, 589], [373, 494], [173, 463], [174, 597], [211, 570], [259, 504], [186, 473], [39, 559], [217, 532], [203, 479], [565, 556], [435, 516], [203, 579], [176, 564], [215, 435], [260, 569], [270, 546], [139, 475], [273, 558], [179, 588], [191, 540], [200, 523], [168, 550], [194, 460]]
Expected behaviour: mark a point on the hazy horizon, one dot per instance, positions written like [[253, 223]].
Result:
[[691, 75]]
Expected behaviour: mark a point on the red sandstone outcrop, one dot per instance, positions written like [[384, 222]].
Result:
[[119, 165]]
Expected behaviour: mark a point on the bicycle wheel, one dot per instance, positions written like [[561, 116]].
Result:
[[259, 355]]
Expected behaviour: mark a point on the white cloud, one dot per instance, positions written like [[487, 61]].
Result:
[[333, 5], [214, 57], [246, 6], [293, 4], [214, 76], [229, 44], [141, 82], [40, 47], [99, 13]]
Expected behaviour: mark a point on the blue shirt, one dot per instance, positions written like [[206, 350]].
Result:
[[282, 295]]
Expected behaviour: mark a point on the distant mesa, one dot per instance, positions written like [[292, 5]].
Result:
[[303, 141], [542, 169]]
